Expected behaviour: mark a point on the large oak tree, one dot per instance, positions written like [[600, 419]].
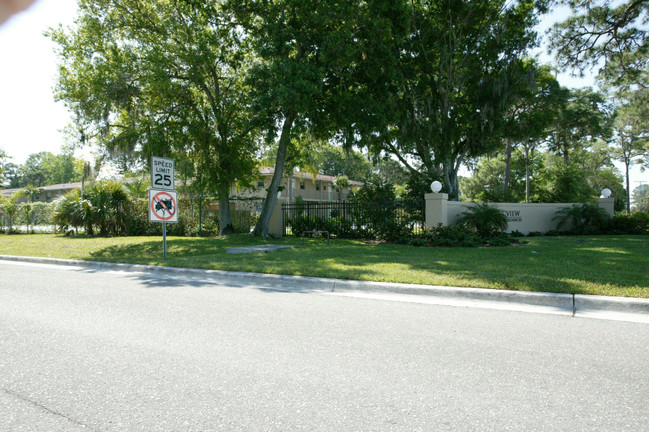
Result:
[[456, 74], [161, 77]]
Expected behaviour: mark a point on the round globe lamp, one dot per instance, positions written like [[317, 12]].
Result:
[[436, 186]]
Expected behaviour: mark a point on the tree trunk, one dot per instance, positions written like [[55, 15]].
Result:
[[261, 229], [508, 169], [225, 219], [628, 190], [450, 178], [527, 174], [566, 158]]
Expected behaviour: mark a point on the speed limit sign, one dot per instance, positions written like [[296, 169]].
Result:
[[162, 173]]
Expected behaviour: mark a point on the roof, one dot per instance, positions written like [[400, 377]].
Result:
[[268, 171], [55, 187], [47, 188]]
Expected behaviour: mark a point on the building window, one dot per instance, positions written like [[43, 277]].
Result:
[[302, 184], [317, 186], [260, 183], [324, 187]]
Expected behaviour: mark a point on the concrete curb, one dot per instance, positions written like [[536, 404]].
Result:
[[619, 308], [614, 304], [560, 303]]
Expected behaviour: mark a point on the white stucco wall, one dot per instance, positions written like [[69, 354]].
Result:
[[523, 217]]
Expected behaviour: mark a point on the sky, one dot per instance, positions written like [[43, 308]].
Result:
[[31, 121]]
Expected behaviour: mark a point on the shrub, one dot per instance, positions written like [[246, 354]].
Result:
[[299, 224], [484, 219], [370, 193], [584, 218], [499, 240], [9, 208], [68, 212], [109, 200], [456, 235], [376, 213], [634, 223], [40, 214], [103, 206], [516, 233], [417, 242], [210, 227], [137, 223], [243, 220]]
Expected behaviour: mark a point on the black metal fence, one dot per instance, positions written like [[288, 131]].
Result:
[[368, 220]]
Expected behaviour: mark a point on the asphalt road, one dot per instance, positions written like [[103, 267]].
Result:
[[89, 349]]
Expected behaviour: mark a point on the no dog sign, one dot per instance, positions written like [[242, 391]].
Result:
[[163, 206]]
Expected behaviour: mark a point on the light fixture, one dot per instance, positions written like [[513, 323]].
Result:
[[436, 186], [606, 192]]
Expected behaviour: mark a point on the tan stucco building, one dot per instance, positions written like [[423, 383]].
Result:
[[299, 184]]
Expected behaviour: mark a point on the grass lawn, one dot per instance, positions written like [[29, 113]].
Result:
[[604, 265]]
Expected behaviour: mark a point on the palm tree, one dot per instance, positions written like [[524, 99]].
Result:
[[485, 219]]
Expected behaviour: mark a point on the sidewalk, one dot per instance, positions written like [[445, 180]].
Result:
[[576, 305]]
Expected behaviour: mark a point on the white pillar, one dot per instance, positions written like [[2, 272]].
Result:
[[436, 209], [607, 204]]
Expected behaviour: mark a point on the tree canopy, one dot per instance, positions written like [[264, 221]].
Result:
[[432, 84], [43, 168], [165, 78], [459, 68], [606, 35], [303, 78]]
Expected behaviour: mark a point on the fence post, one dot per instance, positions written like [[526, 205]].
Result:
[[436, 209]]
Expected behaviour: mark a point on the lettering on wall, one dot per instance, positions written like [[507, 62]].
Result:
[[513, 215]]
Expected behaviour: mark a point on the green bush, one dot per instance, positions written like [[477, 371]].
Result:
[[138, 219], [69, 212], [104, 206], [634, 223], [584, 218], [417, 242], [455, 235], [486, 220], [499, 240], [375, 214], [516, 233], [243, 220], [41, 213], [300, 224]]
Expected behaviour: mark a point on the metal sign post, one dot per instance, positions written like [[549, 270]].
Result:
[[163, 200], [164, 240]]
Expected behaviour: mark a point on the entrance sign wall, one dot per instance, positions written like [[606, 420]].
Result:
[[523, 217]]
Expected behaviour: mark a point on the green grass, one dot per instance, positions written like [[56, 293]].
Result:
[[603, 265]]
